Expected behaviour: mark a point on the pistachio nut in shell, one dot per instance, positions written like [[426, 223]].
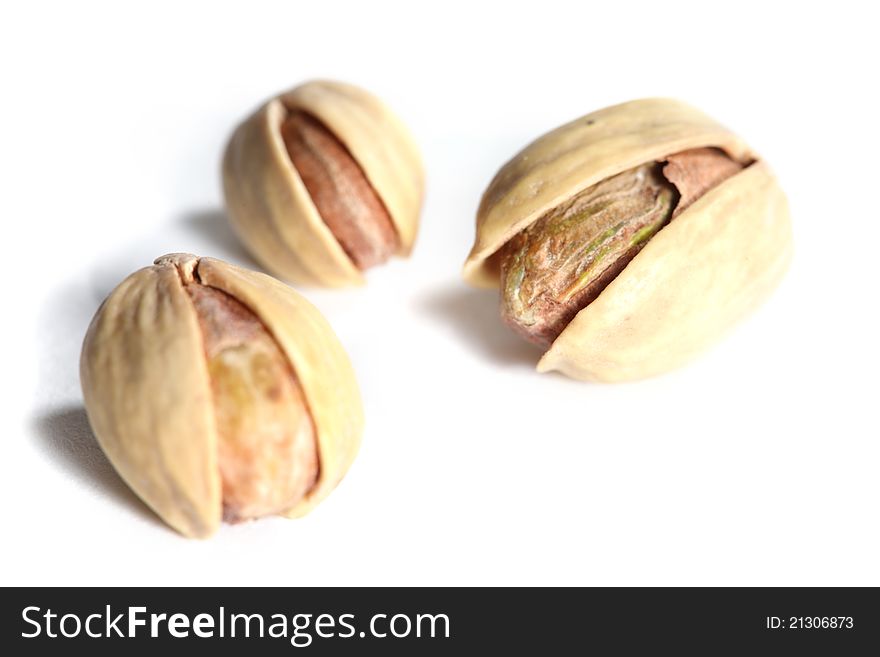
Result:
[[323, 182], [218, 392], [627, 241]]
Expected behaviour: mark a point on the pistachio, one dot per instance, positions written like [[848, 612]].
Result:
[[323, 182], [560, 263], [219, 393], [627, 241], [563, 261], [342, 195], [696, 171], [266, 438]]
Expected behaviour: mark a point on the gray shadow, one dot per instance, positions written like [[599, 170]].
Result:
[[474, 316], [213, 225], [67, 440], [63, 433]]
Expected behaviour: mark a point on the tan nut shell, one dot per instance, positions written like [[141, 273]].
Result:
[[269, 206], [148, 395], [701, 273]]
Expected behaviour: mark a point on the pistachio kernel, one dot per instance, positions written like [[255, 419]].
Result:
[[267, 449], [340, 191], [559, 264]]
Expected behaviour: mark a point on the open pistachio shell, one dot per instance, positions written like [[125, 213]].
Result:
[[148, 397], [147, 388], [270, 206], [709, 266]]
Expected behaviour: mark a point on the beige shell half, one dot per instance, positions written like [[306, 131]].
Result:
[[269, 206], [148, 394], [701, 273]]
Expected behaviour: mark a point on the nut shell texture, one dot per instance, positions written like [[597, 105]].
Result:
[[148, 394], [697, 277], [715, 261], [268, 203], [148, 397]]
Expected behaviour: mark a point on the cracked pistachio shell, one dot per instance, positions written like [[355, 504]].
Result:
[[148, 394], [269, 205], [707, 268]]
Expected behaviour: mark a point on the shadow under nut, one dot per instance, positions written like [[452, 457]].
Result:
[[340, 191]]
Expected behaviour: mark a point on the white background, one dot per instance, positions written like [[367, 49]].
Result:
[[758, 464]]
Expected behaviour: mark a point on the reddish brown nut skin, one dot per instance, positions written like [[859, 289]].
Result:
[[563, 261], [338, 187], [560, 264], [267, 451], [696, 171]]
